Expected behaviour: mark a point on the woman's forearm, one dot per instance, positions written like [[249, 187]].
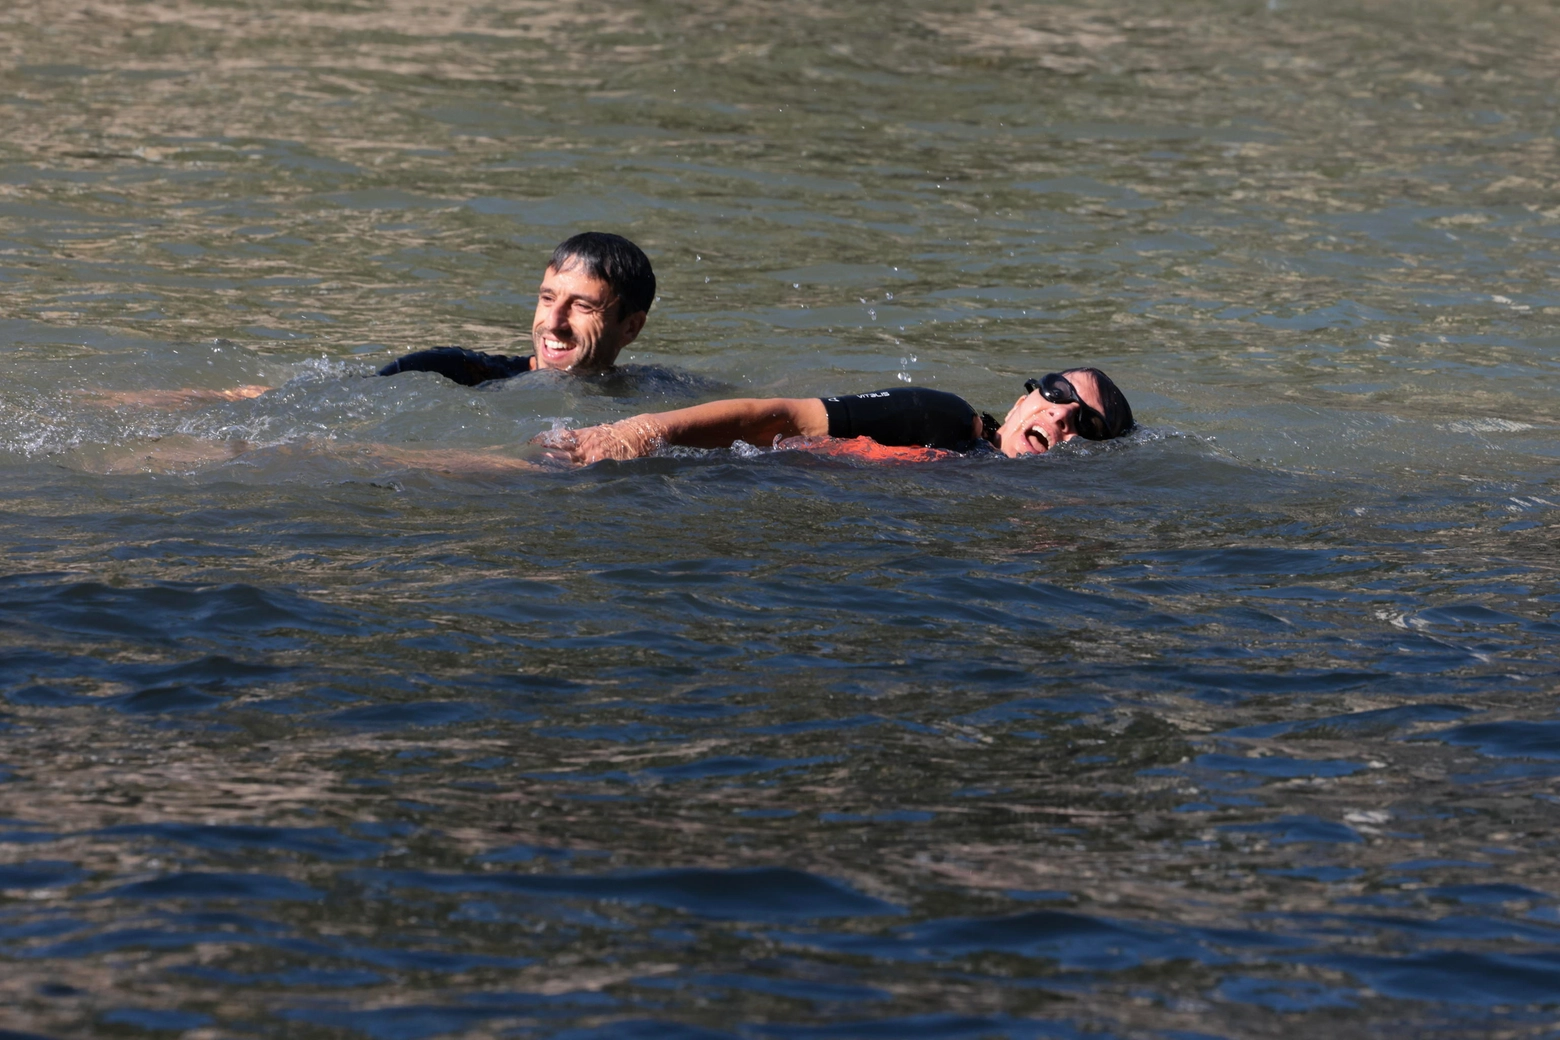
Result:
[[757, 420], [718, 424]]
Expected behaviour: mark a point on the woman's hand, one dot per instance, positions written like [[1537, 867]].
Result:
[[626, 439]]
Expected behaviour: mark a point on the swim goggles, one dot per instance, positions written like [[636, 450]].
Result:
[[1056, 389]]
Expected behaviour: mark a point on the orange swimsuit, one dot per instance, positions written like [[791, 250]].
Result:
[[863, 449]]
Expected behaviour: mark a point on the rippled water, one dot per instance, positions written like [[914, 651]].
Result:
[[1241, 727]]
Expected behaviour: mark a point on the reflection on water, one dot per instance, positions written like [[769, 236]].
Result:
[[1238, 727]]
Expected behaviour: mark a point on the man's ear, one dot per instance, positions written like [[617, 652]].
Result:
[[632, 325]]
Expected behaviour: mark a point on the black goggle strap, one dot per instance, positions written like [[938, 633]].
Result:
[[1091, 425], [988, 428]]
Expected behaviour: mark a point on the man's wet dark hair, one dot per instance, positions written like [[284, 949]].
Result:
[[616, 261], [1118, 413]]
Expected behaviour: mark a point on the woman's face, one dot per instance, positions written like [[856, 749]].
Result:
[[1034, 425]]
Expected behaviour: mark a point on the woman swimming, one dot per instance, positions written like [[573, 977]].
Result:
[[903, 424], [1077, 402]]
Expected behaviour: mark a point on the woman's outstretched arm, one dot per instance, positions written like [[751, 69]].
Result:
[[718, 424]]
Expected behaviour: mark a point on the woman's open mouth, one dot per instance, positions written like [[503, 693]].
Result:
[[1036, 440]]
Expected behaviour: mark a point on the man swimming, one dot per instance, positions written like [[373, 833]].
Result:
[[1077, 402], [593, 301]]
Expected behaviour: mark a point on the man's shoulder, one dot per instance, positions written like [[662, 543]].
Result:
[[467, 367]]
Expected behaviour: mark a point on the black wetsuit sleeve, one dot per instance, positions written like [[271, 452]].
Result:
[[904, 417], [466, 367]]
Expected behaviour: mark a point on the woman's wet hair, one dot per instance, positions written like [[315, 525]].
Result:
[[616, 261], [1118, 413]]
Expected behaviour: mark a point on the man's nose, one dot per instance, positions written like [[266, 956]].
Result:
[[558, 315]]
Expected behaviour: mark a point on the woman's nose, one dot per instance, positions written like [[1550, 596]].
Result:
[[1065, 416]]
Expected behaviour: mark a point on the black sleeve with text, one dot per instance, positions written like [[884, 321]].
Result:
[[466, 367], [904, 417]]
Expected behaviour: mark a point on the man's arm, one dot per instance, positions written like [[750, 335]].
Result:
[[457, 461], [719, 424], [467, 367], [168, 398]]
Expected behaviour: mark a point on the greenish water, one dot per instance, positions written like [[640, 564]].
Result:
[[1240, 727]]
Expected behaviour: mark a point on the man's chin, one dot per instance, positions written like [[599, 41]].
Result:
[[580, 360]]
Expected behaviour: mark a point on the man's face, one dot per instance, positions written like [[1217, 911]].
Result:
[[1035, 425], [577, 326]]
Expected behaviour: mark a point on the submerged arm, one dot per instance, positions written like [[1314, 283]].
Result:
[[718, 424], [168, 398], [456, 461], [467, 367]]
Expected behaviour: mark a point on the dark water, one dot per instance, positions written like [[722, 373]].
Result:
[[1242, 727]]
